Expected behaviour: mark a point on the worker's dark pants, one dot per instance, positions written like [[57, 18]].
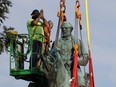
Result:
[[36, 52]]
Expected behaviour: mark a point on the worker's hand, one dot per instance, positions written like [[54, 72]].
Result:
[[41, 14]]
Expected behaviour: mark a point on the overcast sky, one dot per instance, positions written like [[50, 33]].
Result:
[[103, 35]]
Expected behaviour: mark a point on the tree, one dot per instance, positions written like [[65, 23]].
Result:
[[4, 8]]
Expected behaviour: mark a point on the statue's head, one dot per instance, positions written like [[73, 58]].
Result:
[[66, 28]]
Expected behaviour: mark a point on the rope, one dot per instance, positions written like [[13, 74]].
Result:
[[74, 82], [91, 74], [62, 18]]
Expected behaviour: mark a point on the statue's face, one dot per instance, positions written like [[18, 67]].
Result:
[[66, 31], [66, 28]]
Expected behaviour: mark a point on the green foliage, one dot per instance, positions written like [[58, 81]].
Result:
[[4, 8], [1, 46], [4, 39]]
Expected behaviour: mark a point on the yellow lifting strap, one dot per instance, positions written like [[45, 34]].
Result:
[[91, 74], [87, 23]]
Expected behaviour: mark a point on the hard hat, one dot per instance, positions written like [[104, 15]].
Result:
[[35, 12]]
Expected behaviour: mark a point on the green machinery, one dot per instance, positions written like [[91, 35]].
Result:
[[20, 59]]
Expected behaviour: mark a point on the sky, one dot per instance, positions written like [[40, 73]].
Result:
[[103, 38]]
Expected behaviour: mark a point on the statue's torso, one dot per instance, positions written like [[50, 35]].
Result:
[[66, 50]]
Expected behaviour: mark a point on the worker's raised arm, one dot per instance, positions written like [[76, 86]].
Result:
[[46, 24]]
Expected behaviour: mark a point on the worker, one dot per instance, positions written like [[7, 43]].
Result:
[[47, 33], [63, 52], [35, 27]]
